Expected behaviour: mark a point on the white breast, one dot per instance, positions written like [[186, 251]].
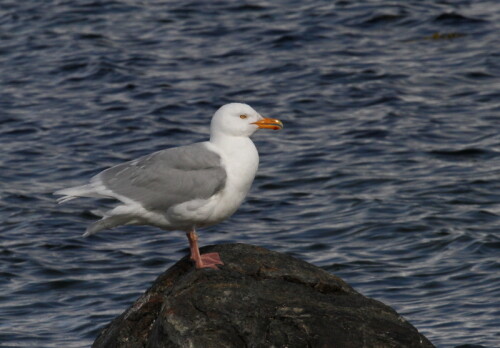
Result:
[[241, 161]]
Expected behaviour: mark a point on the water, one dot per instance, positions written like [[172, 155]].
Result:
[[386, 173]]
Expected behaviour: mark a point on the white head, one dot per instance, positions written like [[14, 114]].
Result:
[[238, 119]]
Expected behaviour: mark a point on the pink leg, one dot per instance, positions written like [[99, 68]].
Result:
[[210, 260]]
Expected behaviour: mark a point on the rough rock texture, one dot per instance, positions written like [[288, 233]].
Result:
[[259, 298]]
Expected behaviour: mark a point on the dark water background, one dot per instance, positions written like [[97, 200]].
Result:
[[386, 174]]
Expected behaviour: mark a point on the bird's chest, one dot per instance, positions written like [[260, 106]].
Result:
[[240, 172], [240, 177]]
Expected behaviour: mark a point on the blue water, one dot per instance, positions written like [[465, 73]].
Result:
[[386, 174]]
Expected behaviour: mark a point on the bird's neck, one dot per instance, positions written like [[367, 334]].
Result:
[[232, 144], [239, 150]]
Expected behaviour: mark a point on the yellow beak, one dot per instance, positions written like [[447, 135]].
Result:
[[269, 123]]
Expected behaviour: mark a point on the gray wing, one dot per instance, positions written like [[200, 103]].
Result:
[[168, 177]]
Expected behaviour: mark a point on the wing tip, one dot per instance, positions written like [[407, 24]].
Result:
[[64, 199], [92, 229]]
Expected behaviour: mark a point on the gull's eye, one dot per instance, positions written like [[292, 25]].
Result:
[[243, 116]]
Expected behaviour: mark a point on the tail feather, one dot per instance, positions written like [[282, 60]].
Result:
[[120, 215], [78, 191], [106, 223]]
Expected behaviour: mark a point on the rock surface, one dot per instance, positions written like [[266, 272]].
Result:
[[259, 298]]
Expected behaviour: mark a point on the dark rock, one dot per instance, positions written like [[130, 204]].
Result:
[[259, 298]]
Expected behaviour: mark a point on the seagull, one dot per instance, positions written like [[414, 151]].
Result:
[[186, 187]]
